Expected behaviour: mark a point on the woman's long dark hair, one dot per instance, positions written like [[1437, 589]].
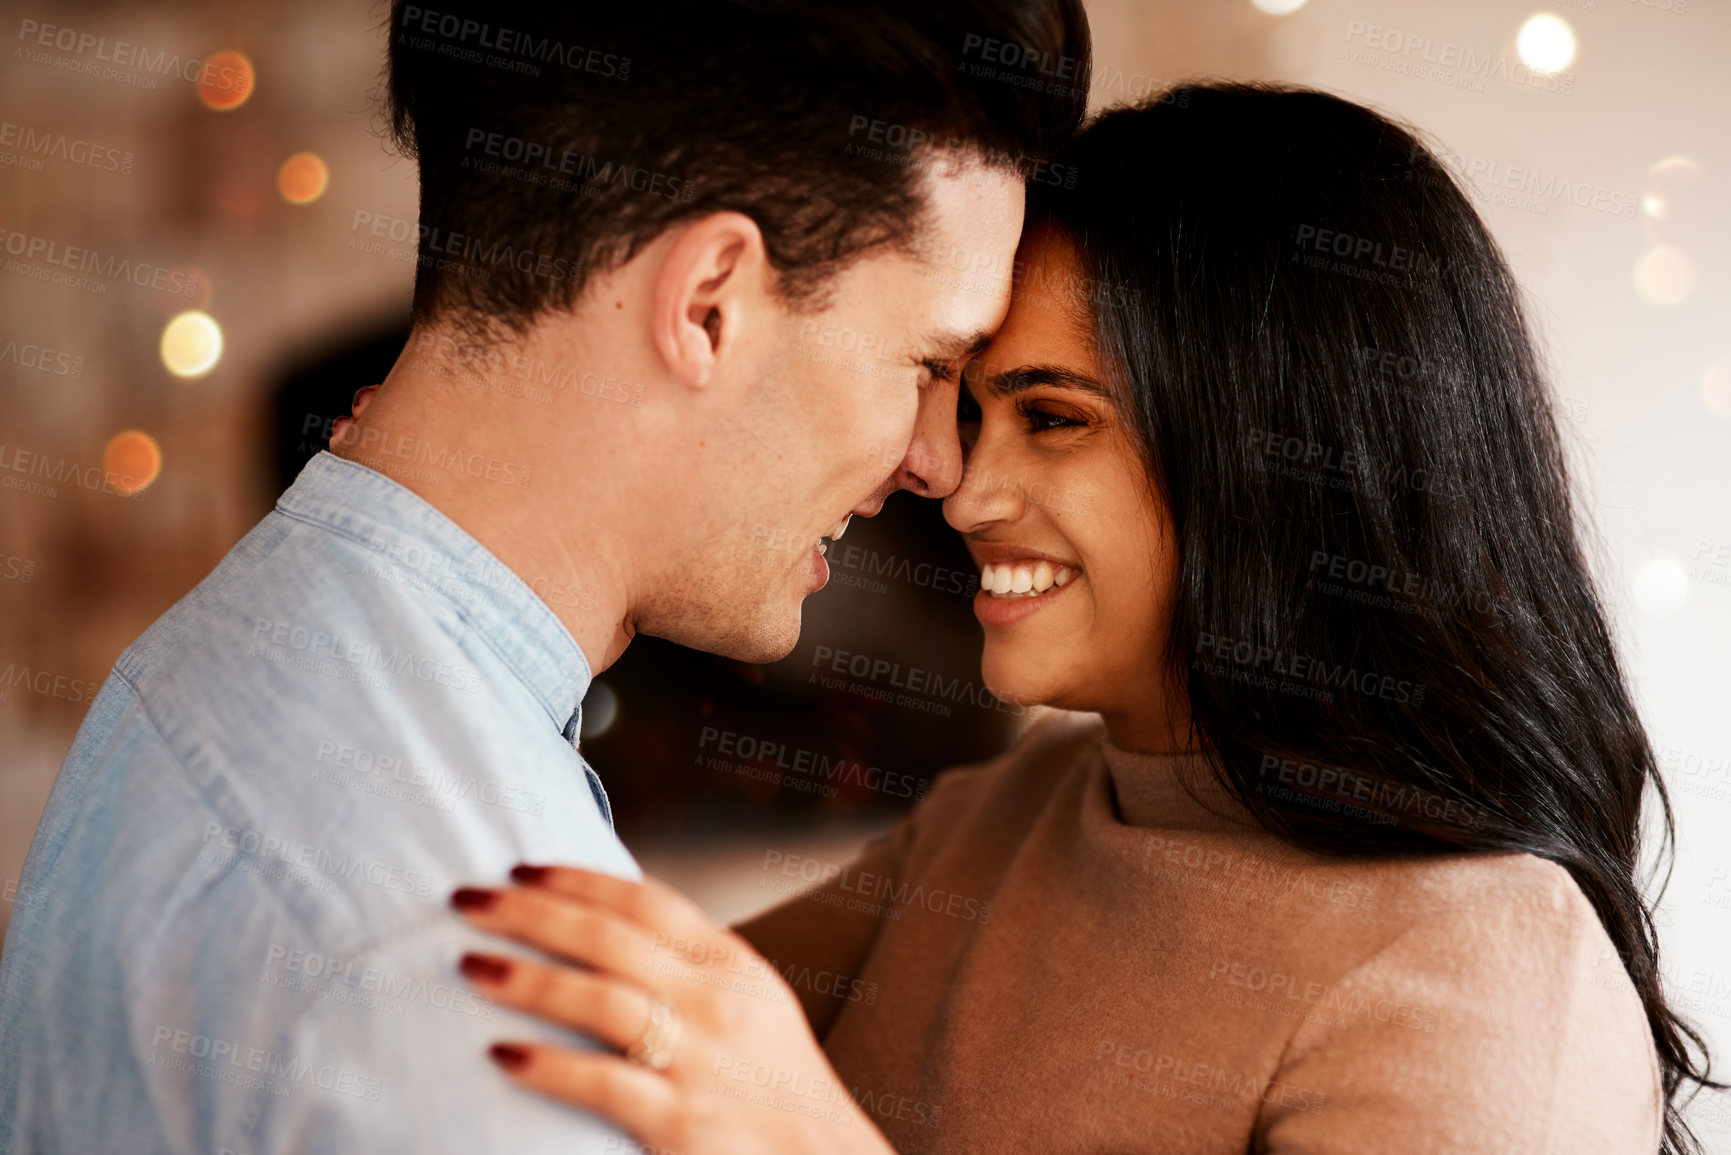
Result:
[[1386, 624]]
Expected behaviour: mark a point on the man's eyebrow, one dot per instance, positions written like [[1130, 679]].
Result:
[[952, 346], [1027, 376]]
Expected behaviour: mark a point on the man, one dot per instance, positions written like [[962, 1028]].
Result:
[[688, 299]]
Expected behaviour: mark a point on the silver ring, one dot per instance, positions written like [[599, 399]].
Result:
[[655, 1048]]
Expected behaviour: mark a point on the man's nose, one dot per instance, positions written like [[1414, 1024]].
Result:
[[933, 464]]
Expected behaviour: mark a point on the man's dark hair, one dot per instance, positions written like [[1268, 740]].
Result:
[[557, 140]]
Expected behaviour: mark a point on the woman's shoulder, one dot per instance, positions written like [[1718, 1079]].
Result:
[[1518, 924], [1524, 912], [1497, 968], [1422, 888]]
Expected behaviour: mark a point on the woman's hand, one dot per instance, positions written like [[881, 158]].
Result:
[[718, 1056]]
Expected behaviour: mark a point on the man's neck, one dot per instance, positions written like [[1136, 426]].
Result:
[[495, 486]]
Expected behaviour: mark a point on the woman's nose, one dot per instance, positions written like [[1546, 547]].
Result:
[[986, 491]]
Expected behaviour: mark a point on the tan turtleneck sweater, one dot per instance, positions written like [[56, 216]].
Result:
[[1062, 951]]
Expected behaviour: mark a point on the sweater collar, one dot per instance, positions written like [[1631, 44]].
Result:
[[1171, 790]]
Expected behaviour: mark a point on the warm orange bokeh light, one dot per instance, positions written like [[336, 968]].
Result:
[[131, 461], [226, 81], [303, 178], [191, 344]]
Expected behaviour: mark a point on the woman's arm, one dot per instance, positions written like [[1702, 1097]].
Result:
[[818, 940]]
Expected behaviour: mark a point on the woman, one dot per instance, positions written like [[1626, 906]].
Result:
[[1335, 847]]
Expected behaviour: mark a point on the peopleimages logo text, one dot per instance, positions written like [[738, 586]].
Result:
[[142, 273]]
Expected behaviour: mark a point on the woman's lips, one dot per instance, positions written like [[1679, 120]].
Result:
[[1001, 603]]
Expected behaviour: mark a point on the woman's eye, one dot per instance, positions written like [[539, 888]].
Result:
[[1041, 419]]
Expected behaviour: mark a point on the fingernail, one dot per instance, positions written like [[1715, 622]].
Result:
[[473, 898], [485, 968], [509, 1056], [528, 875]]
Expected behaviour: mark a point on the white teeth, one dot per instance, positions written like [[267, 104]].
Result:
[[1025, 580], [822, 548], [835, 534]]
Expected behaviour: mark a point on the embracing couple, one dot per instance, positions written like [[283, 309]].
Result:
[[1329, 842]]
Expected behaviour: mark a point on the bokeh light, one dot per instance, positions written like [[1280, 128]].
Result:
[[303, 178], [1546, 43], [1678, 206], [1716, 388], [1661, 587], [191, 344], [1663, 276], [242, 197], [1278, 7], [1675, 165], [132, 461], [600, 710], [226, 81]]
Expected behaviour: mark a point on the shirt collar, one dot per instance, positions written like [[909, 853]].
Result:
[[442, 561]]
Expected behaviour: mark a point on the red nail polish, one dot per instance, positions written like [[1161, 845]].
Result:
[[473, 898], [528, 875], [485, 968], [509, 1056]]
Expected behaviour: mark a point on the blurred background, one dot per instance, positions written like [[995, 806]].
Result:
[[194, 283]]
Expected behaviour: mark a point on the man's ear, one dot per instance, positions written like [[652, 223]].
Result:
[[701, 291]]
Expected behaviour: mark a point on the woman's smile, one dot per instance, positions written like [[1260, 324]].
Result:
[[997, 610], [1075, 551]]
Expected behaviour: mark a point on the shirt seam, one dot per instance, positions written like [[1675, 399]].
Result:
[[306, 1020], [198, 791], [366, 947]]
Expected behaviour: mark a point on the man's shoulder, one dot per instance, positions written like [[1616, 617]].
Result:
[[290, 594], [297, 727], [285, 914]]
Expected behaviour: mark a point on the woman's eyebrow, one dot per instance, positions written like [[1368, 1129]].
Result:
[[1027, 376]]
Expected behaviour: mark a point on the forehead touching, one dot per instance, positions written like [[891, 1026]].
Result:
[[1050, 321], [962, 260]]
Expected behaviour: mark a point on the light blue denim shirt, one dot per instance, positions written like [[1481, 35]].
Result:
[[233, 930]]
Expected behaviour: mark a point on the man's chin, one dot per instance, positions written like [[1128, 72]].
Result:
[[767, 637], [762, 653]]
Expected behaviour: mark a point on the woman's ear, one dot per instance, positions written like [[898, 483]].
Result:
[[701, 290]]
